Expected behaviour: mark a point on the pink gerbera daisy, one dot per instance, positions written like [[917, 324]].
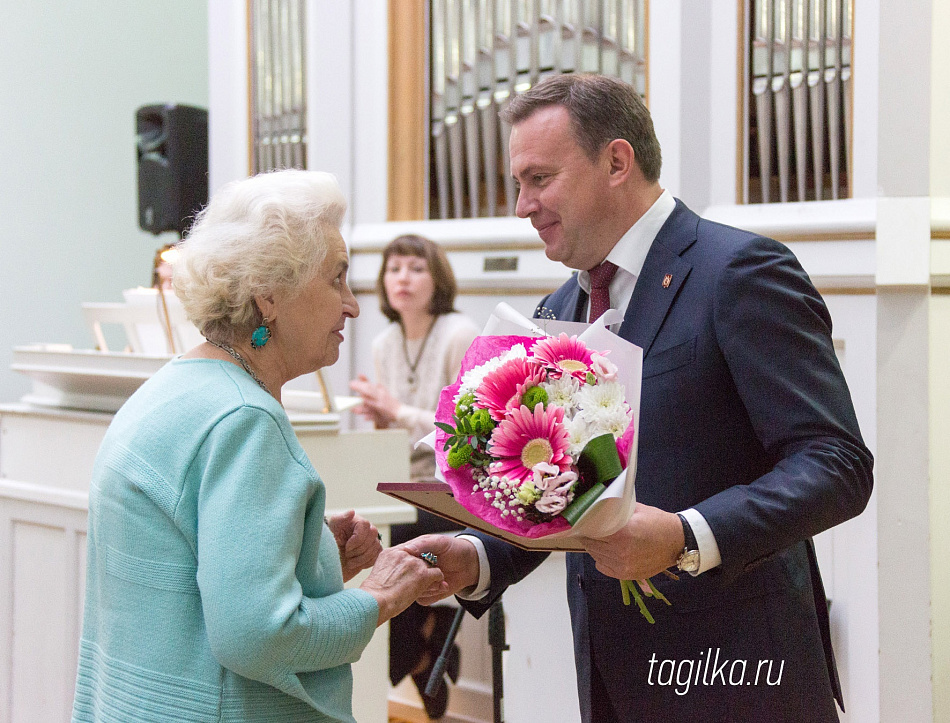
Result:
[[501, 390], [525, 439], [563, 355]]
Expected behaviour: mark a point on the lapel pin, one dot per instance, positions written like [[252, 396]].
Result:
[[667, 280]]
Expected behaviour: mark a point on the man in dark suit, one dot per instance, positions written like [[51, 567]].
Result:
[[748, 443]]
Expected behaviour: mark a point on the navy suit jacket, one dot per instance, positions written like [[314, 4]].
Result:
[[746, 417]]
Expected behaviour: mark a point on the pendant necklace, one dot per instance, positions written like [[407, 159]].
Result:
[[242, 361], [413, 364]]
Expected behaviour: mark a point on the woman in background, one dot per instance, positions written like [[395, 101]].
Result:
[[418, 354], [214, 586]]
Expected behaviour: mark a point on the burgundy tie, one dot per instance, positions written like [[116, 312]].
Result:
[[600, 277]]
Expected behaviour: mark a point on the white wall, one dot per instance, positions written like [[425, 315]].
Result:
[[71, 77]]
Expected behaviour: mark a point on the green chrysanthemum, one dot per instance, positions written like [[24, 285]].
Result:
[[534, 395], [464, 404], [459, 455], [482, 422]]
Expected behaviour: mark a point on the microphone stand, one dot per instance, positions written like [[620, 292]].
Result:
[[496, 640], [438, 670]]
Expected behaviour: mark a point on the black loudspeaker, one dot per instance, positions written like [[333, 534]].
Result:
[[172, 145]]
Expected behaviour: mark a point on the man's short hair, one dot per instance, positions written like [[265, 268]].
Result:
[[601, 109]]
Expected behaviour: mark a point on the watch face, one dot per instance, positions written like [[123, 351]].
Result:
[[688, 561]]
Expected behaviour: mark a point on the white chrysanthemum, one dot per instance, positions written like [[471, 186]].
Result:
[[516, 352], [614, 420], [472, 379], [562, 393], [606, 396], [578, 435]]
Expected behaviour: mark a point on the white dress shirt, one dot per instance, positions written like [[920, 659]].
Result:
[[629, 254]]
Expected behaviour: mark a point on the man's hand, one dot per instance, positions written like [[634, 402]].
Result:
[[357, 540], [648, 544], [458, 561]]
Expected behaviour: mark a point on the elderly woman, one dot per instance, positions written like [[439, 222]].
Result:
[[215, 584]]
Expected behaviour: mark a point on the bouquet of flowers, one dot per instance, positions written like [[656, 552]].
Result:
[[537, 429]]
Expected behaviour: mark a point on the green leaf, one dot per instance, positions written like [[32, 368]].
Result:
[[445, 427], [599, 462], [572, 513]]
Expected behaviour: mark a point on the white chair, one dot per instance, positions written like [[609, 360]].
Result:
[[144, 324]]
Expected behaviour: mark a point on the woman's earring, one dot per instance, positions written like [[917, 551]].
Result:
[[261, 335]]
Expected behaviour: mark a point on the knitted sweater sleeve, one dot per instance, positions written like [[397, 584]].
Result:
[[270, 579]]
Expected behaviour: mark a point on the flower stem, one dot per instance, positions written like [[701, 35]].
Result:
[[632, 587], [656, 593]]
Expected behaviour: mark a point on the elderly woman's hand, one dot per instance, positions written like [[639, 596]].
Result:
[[357, 540], [379, 405], [398, 578], [457, 558]]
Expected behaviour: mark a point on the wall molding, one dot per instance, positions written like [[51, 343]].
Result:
[[850, 219], [43, 494], [835, 240], [502, 289], [940, 217], [452, 234]]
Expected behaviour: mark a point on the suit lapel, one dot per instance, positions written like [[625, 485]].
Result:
[[663, 273], [567, 303], [580, 305]]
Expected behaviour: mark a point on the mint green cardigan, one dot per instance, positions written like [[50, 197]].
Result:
[[214, 590]]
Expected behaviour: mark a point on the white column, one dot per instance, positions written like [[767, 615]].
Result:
[[904, 393], [227, 93]]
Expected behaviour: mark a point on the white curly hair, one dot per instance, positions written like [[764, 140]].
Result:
[[258, 236]]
